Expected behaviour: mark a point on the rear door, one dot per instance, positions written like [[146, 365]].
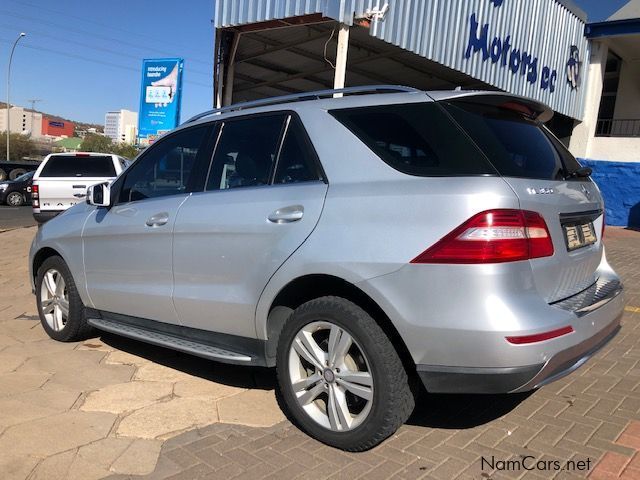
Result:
[[263, 198], [64, 179], [541, 171]]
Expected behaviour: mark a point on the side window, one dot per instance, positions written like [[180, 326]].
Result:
[[165, 168], [246, 152], [297, 160]]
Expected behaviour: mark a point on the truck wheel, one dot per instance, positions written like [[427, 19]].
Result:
[[59, 304], [3, 175], [339, 377], [16, 172], [15, 199]]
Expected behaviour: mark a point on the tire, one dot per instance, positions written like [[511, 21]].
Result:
[[16, 172], [3, 175], [361, 423], [15, 199], [53, 298]]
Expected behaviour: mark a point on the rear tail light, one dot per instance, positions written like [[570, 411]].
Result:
[[604, 224], [35, 196], [494, 236]]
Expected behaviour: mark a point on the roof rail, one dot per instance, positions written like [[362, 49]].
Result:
[[298, 97]]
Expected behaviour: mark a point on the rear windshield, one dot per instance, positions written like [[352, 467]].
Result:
[[515, 145], [79, 166], [417, 138]]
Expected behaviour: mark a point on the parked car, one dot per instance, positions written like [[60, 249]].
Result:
[[62, 180], [16, 193], [357, 244]]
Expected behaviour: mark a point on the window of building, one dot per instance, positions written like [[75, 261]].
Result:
[[610, 84]]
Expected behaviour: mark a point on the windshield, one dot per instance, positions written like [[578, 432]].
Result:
[[25, 176]]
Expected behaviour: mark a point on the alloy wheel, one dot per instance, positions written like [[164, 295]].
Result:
[[54, 300], [330, 376]]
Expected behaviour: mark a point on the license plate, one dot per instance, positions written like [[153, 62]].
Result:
[[578, 236]]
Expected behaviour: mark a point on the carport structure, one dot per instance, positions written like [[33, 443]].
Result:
[[536, 49], [306, 50]]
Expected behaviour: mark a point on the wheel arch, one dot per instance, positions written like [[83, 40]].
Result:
[[308, 287], [40, 257]]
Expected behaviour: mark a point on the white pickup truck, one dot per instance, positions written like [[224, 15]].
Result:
[[62, 179]]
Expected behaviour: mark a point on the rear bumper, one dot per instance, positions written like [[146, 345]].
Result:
[[438, 379], [42, 217]]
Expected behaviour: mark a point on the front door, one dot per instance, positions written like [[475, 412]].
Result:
[[128, 248], [263, 198]]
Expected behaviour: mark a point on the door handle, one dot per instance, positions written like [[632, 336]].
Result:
[[157, 220], [287, 214], [79, 195]]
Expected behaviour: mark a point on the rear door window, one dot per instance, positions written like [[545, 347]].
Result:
[[516, 145], [79, 166], [246, 152], [297, 161], [417, 139]]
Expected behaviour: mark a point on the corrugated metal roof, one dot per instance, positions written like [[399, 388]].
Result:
[[441, 30]]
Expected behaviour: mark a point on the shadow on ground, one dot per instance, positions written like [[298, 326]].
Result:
[[232, 375], [462, 411], [435, 411]]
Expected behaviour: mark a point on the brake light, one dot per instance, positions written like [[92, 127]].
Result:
[[35, 195], [493, 236], [604, 224], [540, 337]]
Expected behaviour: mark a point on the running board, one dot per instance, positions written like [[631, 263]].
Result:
[[170, 341]]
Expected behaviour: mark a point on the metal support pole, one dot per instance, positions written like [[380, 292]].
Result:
[[22, 34], [341, 57], [230, 70]]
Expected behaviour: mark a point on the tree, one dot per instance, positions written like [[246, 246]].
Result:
[[96, 143], [21, 146], [125, 150]]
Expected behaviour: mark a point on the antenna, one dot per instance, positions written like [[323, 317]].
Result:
[[33, 102]]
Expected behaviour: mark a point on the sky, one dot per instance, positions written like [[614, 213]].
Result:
[[83, 58]]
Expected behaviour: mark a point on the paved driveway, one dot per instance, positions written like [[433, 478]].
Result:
[[109, 406]]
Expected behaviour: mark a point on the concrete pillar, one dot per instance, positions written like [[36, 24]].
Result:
[[341, 57], [584, 132]]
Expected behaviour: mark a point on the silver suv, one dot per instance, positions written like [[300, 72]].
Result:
[[356, 244]]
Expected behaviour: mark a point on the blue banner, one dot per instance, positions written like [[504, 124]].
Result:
[[160, 98]]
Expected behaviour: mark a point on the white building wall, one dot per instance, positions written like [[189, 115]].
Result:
[[121, 126], [23, 121]]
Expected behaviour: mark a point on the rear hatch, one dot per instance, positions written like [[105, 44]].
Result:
[[64, 179], [547, 179]]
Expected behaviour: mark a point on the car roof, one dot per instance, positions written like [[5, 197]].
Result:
[[389, 97]]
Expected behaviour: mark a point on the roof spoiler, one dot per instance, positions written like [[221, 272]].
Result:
[[528, 107]]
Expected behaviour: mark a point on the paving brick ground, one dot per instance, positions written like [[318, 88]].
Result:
[[590, 418]]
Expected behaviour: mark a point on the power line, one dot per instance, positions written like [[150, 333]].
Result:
[[101, 49], [93, 60], [86, 20], [66, 28]]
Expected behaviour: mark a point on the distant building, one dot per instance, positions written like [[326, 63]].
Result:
[[24, 121], [55, 127], [121, 126]]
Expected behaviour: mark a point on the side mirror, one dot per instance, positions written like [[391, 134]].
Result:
[[99, 195]]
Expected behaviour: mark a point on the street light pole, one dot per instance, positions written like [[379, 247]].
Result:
[[22, 34]]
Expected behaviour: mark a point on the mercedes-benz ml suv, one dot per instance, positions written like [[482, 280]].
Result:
[[355, 243]]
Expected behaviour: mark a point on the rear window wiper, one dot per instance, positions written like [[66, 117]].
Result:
[[582, 172]]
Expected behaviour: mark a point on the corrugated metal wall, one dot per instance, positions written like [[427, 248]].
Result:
[[440, 30]]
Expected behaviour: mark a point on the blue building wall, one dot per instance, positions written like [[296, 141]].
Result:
[[619, 183]]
